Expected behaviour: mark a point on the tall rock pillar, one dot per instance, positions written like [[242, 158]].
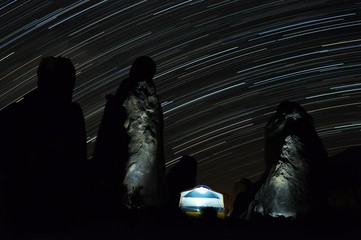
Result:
[[145, 168]]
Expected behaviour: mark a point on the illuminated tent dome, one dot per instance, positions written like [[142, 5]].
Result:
[[194, 201]]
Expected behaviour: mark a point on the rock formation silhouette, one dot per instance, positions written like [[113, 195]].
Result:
[[44, 148], [182, 176], [129, 145], [297, 166], [346, 165], [109, 162], [243, 193], [345, 185]]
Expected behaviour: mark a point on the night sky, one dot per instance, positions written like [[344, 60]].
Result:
[[223, 67]]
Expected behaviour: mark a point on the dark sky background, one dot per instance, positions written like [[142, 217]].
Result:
[[223, 67]]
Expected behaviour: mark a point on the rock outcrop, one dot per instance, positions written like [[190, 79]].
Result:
[[345, 184], [296, 164], [128, 154], [181, 176], [145, 168], [240, 197], [346, 168]]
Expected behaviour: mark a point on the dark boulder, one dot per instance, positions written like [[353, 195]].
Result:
[[345, 184], [43, 154], [346, 168], [242, 194], [181, 176]]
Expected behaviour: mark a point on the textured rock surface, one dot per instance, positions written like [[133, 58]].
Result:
[[286, 191], [145, 168], [295, 158]]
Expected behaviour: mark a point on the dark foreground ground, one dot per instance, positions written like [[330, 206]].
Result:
[[164, 225]]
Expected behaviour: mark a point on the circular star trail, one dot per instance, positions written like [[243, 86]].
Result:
[[223, 67]]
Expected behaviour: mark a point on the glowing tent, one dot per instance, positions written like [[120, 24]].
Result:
[[194, 201]]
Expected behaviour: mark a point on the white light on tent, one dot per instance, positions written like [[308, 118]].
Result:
[[202, 190]]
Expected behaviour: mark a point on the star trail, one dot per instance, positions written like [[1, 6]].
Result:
[[223, 67]]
